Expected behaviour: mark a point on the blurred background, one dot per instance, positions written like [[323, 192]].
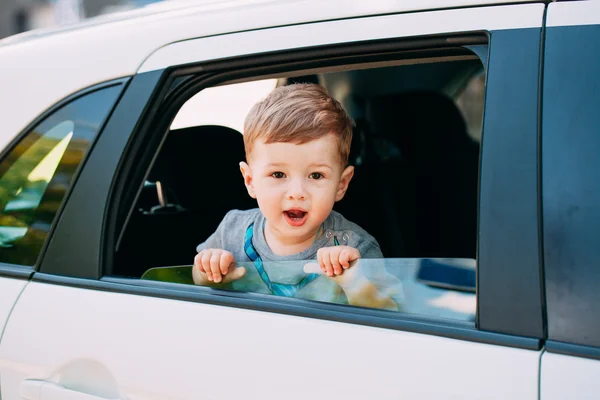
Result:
[[18, 16]]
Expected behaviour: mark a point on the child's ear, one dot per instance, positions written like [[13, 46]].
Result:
[[247, 174], [344, 182]]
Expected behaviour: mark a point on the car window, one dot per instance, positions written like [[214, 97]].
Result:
[[415, 151], [470, 102], [36, 173]]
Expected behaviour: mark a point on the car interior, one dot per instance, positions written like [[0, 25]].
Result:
[[415, 150]]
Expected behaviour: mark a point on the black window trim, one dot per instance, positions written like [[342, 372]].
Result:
[[16, 271], [143, 98], [574, 350], [26, 271]]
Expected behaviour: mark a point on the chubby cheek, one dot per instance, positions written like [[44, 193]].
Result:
[[322, 203], [269, 201]]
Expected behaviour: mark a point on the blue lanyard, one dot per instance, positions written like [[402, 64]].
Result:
[[278, 289]]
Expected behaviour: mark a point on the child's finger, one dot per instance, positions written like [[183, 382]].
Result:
[[206, 265], [214, 267], [320, 261], [226, 262], [198, 262], [325, 262], [345, 259], [353, 254], [334, 257]]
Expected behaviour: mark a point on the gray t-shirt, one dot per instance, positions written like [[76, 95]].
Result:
[[230, 236]]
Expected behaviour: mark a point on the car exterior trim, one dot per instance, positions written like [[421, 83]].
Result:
[[15, 271], [508, 245], [574, 350]]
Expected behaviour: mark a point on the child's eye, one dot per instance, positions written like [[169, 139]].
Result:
[[278, 175], [316, 175]]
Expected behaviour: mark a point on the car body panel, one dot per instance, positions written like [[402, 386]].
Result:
[[155, 348], [573, 13], [194, 347], [567, 377], [343, 31], [96, 53], [10, 289]]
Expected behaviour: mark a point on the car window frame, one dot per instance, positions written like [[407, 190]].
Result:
[[147, 92]]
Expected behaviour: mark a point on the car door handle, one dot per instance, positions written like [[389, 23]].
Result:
[[33, 389]]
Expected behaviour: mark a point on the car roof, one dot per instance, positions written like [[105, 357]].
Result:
[[170, 9], [42, 67]]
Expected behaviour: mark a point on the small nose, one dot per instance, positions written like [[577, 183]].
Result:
[[296, 190]]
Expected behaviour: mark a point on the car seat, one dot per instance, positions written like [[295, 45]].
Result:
[[435, 185], [365, 200], [197, 174]]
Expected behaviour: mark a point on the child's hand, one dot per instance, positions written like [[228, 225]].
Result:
[[359, 289], [335, 259], [215, 265]]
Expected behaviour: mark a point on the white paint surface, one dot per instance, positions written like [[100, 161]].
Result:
[[566, 377], [37, 73], [344, 31], [573, 13], [151, 348], [9, 292]]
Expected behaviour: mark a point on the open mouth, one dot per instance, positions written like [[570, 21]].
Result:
[[295, 216]]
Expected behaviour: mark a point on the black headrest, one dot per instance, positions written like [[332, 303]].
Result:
[[303, 79], [202, 163], [416, 119]]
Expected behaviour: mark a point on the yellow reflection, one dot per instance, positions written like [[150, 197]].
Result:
[[46, 168]]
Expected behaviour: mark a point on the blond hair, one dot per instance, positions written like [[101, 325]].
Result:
[[298, 113]]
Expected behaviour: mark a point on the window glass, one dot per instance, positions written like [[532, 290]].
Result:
[[36, 174], [470, 102], [225, 105], [443, 288], [415, 152]]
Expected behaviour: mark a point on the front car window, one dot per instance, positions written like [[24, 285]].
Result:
[[36, 173]]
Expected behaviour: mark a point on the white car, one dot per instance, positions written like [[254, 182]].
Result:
[[476, 153]]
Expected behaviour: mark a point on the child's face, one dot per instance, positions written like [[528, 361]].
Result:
[[296, 185]]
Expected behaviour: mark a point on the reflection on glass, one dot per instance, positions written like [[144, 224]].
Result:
[[225, 105], [35, 175], [432, 287], [29, 194]]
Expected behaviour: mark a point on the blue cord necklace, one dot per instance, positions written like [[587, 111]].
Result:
[[279, 289]]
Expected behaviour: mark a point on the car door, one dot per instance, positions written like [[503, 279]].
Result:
[[78, 331], [10, 289], [571, 362]]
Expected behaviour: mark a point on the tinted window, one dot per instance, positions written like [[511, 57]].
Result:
[[35, 175]]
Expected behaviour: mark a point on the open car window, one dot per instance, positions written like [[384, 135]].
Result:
[[415, 151]]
